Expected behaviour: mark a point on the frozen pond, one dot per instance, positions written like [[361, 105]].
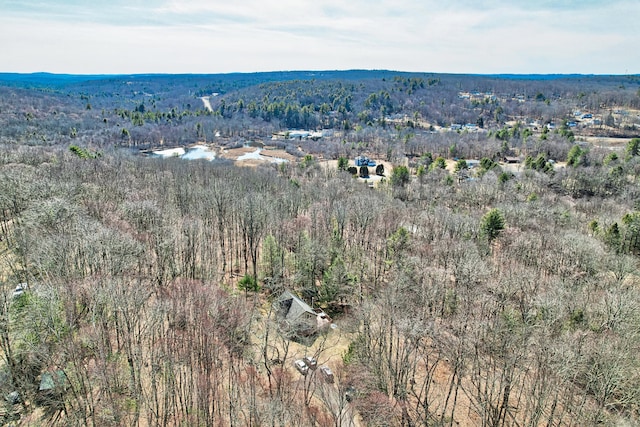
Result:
[[199, 152], [255, 155], [171, 152], [194, 153]]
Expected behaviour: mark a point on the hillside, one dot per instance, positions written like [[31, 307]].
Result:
[[463, 289]]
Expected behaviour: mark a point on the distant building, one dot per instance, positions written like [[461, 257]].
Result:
[[364, 161], [20, 289], [298, 135]]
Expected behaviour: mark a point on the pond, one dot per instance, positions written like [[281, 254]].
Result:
[[199, 152], [193, 153]]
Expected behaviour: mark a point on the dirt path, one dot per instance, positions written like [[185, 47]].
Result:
[[207, 103]]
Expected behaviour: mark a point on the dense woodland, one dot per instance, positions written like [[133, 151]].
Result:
[[507, 299]]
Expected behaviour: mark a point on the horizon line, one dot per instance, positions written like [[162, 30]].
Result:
[[372, 70]]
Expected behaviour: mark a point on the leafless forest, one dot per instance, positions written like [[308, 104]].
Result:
[[141, 287]]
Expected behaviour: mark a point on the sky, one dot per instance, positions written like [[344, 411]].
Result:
[[223, 36]]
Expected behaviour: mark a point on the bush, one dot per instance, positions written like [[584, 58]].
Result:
[[249, 283], [633, 147], [83, 153], [439, 163], [576, 156]]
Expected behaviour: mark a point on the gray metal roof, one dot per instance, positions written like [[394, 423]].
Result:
[[297, 308]]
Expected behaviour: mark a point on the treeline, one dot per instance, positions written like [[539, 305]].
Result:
[[144, 111], [499, 301]]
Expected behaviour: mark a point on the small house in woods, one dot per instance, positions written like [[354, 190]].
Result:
[[299, 321], [50, 381], [53, 385], [509, 159]]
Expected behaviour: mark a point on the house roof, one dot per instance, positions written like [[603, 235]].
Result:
[[49, 380], [297, 307]]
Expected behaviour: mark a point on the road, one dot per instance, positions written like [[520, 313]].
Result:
[[207, 103]]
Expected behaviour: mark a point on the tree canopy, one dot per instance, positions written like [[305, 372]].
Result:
[[492, 224], [400, 176]]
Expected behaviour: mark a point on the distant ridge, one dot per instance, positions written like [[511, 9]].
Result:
[[43, 79], [49, 79], [540, 76], [554, 76], [52, 80]]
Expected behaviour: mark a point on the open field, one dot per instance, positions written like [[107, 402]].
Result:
[[616, 144]]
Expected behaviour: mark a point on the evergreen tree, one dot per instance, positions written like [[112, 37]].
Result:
[[343, 163], [492, 224], [633, 147], [400, 176], [461, 165]]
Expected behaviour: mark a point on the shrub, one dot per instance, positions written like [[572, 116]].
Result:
[[249, 283]]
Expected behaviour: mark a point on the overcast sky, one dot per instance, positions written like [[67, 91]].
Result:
[[221, 36]]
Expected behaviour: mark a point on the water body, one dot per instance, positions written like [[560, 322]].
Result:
[[193, 153], [171, 152], [199, 152]]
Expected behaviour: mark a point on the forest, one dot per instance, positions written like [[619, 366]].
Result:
[[489, 277]]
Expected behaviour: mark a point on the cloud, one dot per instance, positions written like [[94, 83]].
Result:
[[485, 36]]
